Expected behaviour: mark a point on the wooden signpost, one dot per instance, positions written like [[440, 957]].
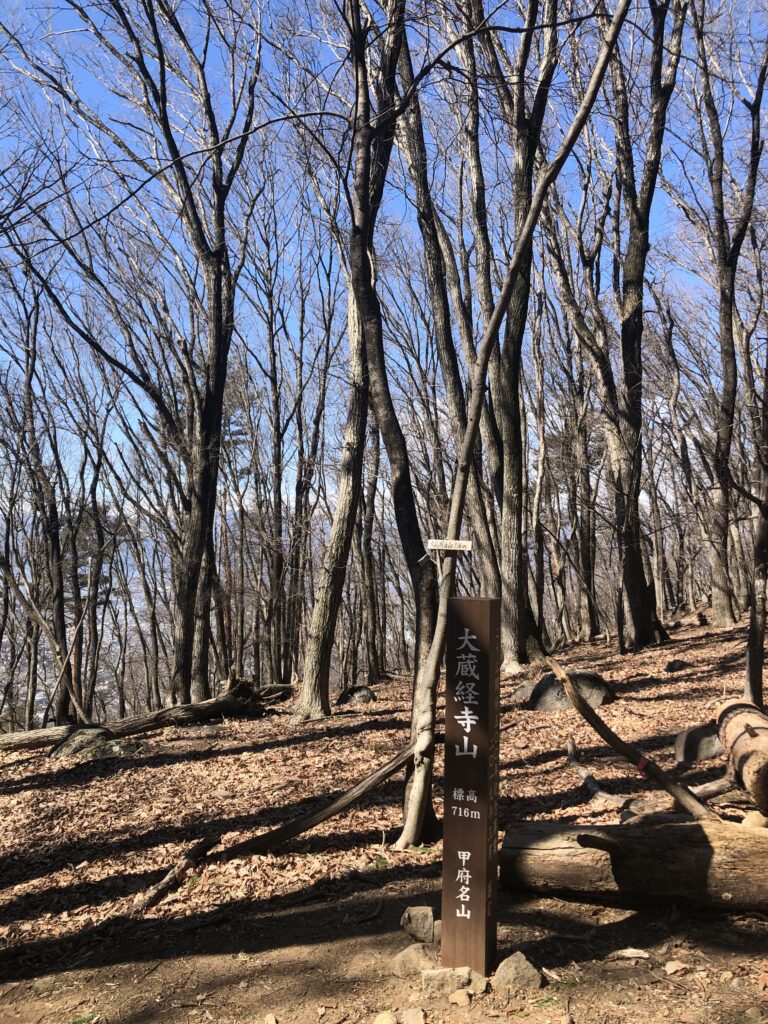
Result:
[[470, 840]]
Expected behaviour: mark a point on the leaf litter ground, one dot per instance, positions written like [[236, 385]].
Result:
[[308, 933]]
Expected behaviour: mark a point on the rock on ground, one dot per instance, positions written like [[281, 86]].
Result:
[[524, 690], [548, 694], [419, 923], [440, 983], [754, 819], [478, 984], [699, 743], [460, 998], [112, 748], [387, 1017], [411, 961], [82, 739], [517, 972], [412, 1016], [677, 665], [356, 695]]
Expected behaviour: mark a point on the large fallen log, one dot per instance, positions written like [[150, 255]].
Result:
[[743, 730], [702, 863], [241, 700], [35, 739]]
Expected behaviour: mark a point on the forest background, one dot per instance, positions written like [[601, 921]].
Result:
[[251, 259]]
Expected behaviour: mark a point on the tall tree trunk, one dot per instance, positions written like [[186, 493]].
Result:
[[198, 521], [753, 682], [520, 632], [313, 700], [373, 664], [33, 647], [201, 683]]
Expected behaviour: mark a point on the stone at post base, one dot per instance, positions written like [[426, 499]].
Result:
[[517, 972], [419, 923], [440, 983], [412, 1016], [411, 961], [460, 998], [478, 984]]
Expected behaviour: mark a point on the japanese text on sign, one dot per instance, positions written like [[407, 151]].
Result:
[[464, 877], [466, 691]]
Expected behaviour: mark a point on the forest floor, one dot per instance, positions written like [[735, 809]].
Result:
[[308, 933]]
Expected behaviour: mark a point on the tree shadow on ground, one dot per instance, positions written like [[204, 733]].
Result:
[[83, 773], [575, 936], [17, 868], [68, 898], [677, 698], [314, 915], [658, 742]]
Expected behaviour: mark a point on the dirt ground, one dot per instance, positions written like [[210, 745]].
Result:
[[308, 933]]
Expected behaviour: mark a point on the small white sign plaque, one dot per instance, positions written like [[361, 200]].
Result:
[[436, 544]]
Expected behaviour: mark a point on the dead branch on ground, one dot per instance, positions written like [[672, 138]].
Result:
[[647, 767], [266, 842]]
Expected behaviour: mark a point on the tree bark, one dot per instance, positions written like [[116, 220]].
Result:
[[743, 730], [240, 701], [753, 680], [314, 697], [372, 641], [709, 864]]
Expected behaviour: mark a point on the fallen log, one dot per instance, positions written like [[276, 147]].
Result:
[[234, 703], [35, 739], [718, 787], [703, 863], [241, 700], [743, 730]]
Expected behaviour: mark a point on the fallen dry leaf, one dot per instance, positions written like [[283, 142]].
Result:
[[675, 967]]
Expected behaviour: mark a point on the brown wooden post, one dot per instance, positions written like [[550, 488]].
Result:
[[470, 839]]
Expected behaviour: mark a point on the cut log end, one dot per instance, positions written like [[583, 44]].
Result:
[[743, 730]]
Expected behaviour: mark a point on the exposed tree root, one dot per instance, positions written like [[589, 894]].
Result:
[[590, 782]]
